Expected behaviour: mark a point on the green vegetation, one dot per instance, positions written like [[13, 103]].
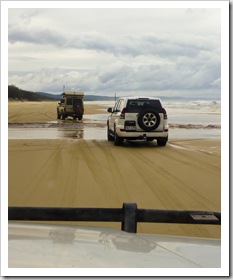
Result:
[[15, 93]]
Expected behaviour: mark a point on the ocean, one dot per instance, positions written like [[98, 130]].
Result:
[[187, 118]]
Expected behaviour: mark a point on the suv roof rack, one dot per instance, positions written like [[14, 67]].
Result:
[[129, 215], [70, 92]]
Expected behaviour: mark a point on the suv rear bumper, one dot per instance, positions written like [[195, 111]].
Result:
[[140, 134]]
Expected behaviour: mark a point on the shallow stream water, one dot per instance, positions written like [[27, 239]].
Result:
[[92, 127]]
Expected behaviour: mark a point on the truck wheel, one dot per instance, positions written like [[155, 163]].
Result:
[[63, 116], [58, 116]]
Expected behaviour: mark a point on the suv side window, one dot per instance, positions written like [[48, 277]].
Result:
[[114, 108], [117, 107], [121, 105]]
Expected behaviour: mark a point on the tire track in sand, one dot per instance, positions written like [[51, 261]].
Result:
[[170, 189], [39, 189], [98, 171]]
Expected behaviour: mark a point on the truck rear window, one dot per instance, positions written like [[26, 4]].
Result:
[[73, 101], [69, 101], [77, 102]]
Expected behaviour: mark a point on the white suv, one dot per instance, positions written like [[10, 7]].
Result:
[[137, 118]]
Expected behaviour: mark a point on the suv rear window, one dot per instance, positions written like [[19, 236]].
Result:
[[134, 106]]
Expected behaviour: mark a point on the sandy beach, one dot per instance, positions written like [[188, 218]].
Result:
[[184, 175], [38, 112]]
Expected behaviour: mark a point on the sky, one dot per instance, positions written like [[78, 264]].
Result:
[[127, 51]]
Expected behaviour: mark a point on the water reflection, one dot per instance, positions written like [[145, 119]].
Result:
[[70, 133], [92, 127], [100, 117], [108, 238], [87, 133]]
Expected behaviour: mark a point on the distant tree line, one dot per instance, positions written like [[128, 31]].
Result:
[[14, 93]]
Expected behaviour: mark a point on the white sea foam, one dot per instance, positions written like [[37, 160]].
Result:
[[212, 106], [186, 113]]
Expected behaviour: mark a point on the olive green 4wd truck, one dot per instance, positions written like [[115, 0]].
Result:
[[71, 104]]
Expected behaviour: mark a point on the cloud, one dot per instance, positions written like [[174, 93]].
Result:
[[132, 45], [40, 36], [124, 77], [124, 51]]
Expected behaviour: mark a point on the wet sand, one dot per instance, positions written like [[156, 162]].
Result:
[[39, 112], [184, 175]]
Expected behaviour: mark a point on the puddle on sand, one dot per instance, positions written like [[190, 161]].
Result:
[[91, 127], [90, 131], [98, 117], [87, 133], [82, 132]]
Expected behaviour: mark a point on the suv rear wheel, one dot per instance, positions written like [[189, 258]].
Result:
[[110, 137], [148, 119], [117, 140], [162, 141]]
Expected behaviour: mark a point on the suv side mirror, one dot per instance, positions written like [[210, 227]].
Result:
[[110, 110], [59, 103]]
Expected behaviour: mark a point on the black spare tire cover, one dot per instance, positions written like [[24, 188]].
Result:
[[148, 119]]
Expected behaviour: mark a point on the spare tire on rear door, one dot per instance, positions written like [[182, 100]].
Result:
[[148, 119]]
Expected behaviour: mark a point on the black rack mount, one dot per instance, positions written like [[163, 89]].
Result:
[[129, 215]]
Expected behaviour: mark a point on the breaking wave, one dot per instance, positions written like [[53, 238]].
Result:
[[197, 105]]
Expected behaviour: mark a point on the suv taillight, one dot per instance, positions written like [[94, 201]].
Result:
[[122, 115], [164, 114]]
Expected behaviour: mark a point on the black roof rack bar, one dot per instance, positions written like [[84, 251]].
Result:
[[128, 215]]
